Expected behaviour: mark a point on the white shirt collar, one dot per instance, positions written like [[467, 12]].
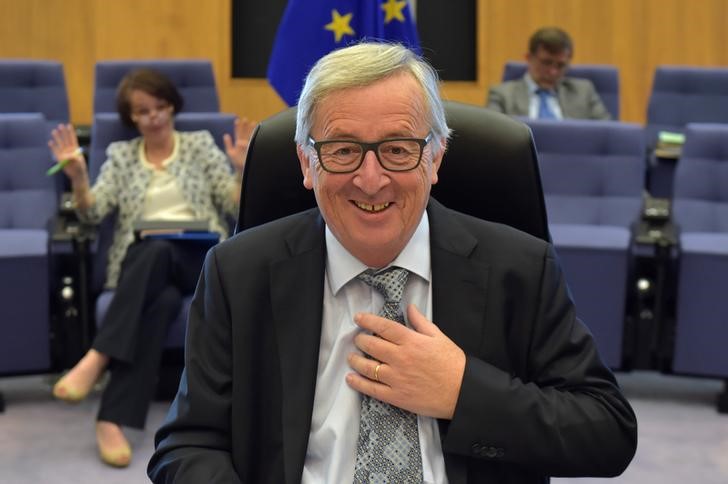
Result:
[[533, 87], [341, 266]]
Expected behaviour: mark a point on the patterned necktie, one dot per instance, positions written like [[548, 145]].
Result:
[[388, 449], [544, 108]]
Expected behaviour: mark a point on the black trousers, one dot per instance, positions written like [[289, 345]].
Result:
[[155, 276]]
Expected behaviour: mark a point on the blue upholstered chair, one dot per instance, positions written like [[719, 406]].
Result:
[[108, 128], [700, 208], [194, 78], [28, 201], [34, 86], [593, 177], [681, 95], [604, 77]]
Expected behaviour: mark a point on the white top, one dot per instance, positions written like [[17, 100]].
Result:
[[164, 200], [331, 452], [535, 100]]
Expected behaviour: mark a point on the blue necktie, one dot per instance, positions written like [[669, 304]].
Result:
[[388, 449], [544, 109]]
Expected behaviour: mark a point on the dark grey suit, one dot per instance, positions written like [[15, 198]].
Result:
[[577, 97], [535, 398]]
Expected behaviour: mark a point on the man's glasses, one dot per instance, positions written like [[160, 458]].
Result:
[[394, 154], [547, 63]]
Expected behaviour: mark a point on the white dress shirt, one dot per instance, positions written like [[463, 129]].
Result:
[[331, 452]]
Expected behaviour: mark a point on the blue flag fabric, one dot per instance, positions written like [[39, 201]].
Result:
[[310, 29]]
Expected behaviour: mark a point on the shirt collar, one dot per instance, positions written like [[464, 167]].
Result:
[[165, 163], [533, 87], [341, 266]]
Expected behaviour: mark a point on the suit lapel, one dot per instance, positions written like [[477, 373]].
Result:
[[297, 296], [459, 286]]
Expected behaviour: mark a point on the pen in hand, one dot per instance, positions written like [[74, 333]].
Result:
[[60, 164]]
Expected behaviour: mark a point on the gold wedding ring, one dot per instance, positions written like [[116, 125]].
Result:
[[376, 372]]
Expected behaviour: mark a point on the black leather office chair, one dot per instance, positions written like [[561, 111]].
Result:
[[489, 171]]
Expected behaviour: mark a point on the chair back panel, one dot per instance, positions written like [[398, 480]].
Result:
[[107, 128], [194, 78], [27, 196], [592, 171], [34, 86], [681, 95], [700, 196], [489, 171], [595, 158], [604, 77]]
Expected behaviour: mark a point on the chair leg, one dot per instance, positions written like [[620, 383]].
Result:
[[722, 403]]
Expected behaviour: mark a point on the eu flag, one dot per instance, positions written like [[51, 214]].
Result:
[[310, 29]]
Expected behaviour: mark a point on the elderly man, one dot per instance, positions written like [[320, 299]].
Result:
[[544, 92], [312, 355]]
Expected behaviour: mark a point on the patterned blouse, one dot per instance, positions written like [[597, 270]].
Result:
[[203, 173]]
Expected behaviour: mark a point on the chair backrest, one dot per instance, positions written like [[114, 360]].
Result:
[[604, 77], [27, 196], [107, 127], [682, 95], [34, 86], [700, 196], [592, 171], [194, 78], [490, 171]]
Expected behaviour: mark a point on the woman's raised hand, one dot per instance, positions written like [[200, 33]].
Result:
[[238, 150], [64, 146]]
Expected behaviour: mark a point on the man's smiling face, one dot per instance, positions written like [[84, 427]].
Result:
[[371, 211]]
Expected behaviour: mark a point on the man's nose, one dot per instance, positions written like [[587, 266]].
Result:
[[371, 176]]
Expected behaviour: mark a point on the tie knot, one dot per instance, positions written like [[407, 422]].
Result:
[[543, 93], [389, 282]]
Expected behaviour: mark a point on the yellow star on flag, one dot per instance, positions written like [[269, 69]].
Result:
[[340, 25], [393, 10]]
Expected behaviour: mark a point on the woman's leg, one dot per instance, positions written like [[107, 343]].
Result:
[[146, 271], [148, 268], [126, 398]]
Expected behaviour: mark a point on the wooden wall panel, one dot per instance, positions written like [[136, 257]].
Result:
[[634, 35]]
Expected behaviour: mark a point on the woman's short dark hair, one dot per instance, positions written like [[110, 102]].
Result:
[[151, 82]]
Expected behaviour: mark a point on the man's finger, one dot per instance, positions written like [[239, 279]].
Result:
[[419, 322], [382, 327]]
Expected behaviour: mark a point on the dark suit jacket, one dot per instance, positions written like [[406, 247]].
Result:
[[535, 398], [577, 97]]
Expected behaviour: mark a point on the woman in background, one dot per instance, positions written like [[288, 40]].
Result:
[[161, 175]]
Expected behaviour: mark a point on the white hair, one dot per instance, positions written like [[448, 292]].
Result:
[[364, 64]]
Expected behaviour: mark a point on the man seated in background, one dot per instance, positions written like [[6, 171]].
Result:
[[544, 92]]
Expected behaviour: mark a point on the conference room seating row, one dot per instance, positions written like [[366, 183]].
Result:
[[592, 174], [679, 95]]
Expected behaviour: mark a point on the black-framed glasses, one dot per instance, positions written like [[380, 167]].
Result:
[[393, 154]]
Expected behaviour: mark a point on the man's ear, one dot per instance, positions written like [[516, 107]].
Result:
[[305, 161]]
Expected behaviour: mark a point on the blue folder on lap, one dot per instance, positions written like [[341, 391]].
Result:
[[182, 230]]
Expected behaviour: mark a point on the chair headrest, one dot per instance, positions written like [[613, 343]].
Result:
[[489, 171]]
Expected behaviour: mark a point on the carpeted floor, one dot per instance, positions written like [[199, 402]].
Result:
[[682, 437]]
